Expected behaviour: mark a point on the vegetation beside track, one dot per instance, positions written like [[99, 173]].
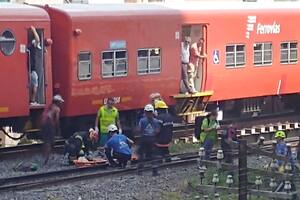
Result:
[[182, 147], [187, 188]]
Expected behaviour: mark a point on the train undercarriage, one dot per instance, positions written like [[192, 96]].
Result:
[[240, 109]]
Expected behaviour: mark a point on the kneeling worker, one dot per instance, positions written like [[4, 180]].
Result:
[[80, 143], [117, 147]]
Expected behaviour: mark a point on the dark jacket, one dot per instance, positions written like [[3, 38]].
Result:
[[77, 142], [166, 128]]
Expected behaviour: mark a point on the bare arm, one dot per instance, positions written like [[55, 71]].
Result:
[[157, 130], [208, 129], [96, 121], [56, 116], [118, 123], [35, 34], [197, 52], [130, 141], [194, 51]]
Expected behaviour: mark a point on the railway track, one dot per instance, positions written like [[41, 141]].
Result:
[[248, 129], [77, 174]]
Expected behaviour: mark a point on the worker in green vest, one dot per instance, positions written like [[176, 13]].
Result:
[[107, 115]]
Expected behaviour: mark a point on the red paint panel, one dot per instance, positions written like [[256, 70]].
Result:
[[157, 29], [14, 86], [97, 32]]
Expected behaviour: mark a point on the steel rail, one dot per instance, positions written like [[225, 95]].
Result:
[[78, 174], [180, 130]]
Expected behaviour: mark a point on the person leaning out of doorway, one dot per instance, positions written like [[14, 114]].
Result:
[[185, 59], [33, 48], [208, 135], [195, 67]]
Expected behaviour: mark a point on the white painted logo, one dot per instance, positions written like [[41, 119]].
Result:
[[261, 29], [216, 57], [116, 100], [268, 29], [251, 21]]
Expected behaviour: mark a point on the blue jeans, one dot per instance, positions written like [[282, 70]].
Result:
[[208, 145]]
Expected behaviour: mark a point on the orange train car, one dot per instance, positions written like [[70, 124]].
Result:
[[129, 51], [15, 38]]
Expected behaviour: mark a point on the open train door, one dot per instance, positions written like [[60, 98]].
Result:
[[197, 32], [36, 78], [36, 66], [191, 105]]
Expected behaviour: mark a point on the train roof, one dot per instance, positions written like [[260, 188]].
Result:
[[77, 10], [22, 12]]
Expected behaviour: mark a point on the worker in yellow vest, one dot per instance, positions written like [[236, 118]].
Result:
[[107, 115]]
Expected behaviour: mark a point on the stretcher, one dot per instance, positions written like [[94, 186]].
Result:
[[83, 162]]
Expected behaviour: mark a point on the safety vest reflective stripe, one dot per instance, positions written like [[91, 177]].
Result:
[[80, 138], [107, 118], [162, 145]]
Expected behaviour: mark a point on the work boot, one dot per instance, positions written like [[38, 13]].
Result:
[[168, 159], [140, 169], [155, 171]]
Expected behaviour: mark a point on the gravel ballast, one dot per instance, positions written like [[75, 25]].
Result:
[[115, 187]]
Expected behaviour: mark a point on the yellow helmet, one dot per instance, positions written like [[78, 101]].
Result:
[[160, 104], [280, 134]]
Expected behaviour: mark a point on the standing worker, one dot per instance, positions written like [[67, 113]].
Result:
[[148, 128], [118, 147], [106, 115], [208, 135], [228, 138], [185, 59], [165, 135], [281, 148], [50, 125]]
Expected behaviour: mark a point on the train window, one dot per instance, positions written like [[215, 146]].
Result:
[[84, 66], [235, 55], [114, 63], [289, 52], [7, 43], [262, 54], [148, 61]]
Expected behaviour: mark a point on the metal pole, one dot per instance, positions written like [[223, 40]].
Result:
[[243, 170]]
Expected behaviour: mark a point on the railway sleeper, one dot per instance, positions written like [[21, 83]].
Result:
[[271, 128]]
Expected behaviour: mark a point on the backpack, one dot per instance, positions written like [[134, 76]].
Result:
[[198, 124]]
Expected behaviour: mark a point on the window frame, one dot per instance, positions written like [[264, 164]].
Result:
[[90, 64], [148, 71], [235, 65], [14, 40], [114, 60], [289, 53], [263, 50]]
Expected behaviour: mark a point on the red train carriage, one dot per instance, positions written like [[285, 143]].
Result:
[[113, 50], [15, 38], [252, 53], [131, 50]]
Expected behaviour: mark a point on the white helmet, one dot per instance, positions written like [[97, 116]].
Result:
[[149, 108], [112, 128], [58, 98]]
